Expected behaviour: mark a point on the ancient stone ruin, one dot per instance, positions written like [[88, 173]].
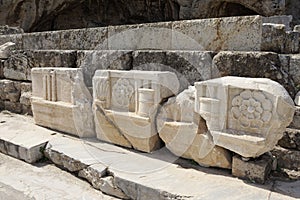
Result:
[[222, 92]]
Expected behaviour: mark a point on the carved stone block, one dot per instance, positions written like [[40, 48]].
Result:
[[245, 115], [185, 133], [126, 103], [61, 101]]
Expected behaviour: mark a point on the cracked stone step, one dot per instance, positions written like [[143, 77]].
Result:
[[146, 176], [21, 139], [118, 171]]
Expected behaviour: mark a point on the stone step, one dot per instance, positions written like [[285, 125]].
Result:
[[141, 176], [21, 139], [131, 175], [287, 158], [248, 33]]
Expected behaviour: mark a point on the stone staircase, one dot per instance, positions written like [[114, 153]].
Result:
[[195, 50]]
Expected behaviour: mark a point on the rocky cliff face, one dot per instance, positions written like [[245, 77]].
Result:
[[38, 15]]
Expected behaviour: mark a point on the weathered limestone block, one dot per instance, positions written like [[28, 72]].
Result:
[[292, 42], [10, 91], [294, 70], [7, 30], [244, 64], [189, 66], [256, 170], [52, 58], [290, 139], [5, 50], [93, 174], [126, 103], [61, 101], [25, 98], [84, 39], [232, 33], [247, 116], [1, 69], [62, 160], [275, 38], [287, 158], [286, 20], [97, 175], [185, 133], [15, 38], [141, 36], [15, 107], [108, 187], [91, 61], [296, 120], [42, 40], [18, 67]]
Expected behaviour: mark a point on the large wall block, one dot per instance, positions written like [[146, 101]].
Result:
[[141, 36], [126, 103], [256, 65], [61, 101], [248, 33], [15, 96], [19, 64], [234, 33], [91, 61]]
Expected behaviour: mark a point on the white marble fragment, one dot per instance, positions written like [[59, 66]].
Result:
[[61, 101], [245, 115], [185, 133], [126, 103]]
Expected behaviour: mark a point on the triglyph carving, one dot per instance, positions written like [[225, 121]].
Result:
[[245, 115], [61, 101], [185, 133], [126, 103]]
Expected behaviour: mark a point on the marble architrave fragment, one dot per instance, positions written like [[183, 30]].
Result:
[[61, 101], [126, 103], [185, 133], [245, 115]]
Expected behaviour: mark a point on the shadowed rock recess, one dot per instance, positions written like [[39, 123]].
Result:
[[35, 15], [215, 82]]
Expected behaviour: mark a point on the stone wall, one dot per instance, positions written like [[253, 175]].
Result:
[[226, 53]]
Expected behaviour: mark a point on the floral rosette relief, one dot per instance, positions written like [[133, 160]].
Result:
[[252, 109], [122, 92]]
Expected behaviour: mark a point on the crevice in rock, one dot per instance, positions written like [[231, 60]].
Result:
[[228, 9]]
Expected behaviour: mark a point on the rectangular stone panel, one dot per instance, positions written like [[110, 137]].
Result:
[[84, 39], [90, 61], [229, 33], [126, 103], [15, 38], [61, 101], [140, 36], [42, 40]]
